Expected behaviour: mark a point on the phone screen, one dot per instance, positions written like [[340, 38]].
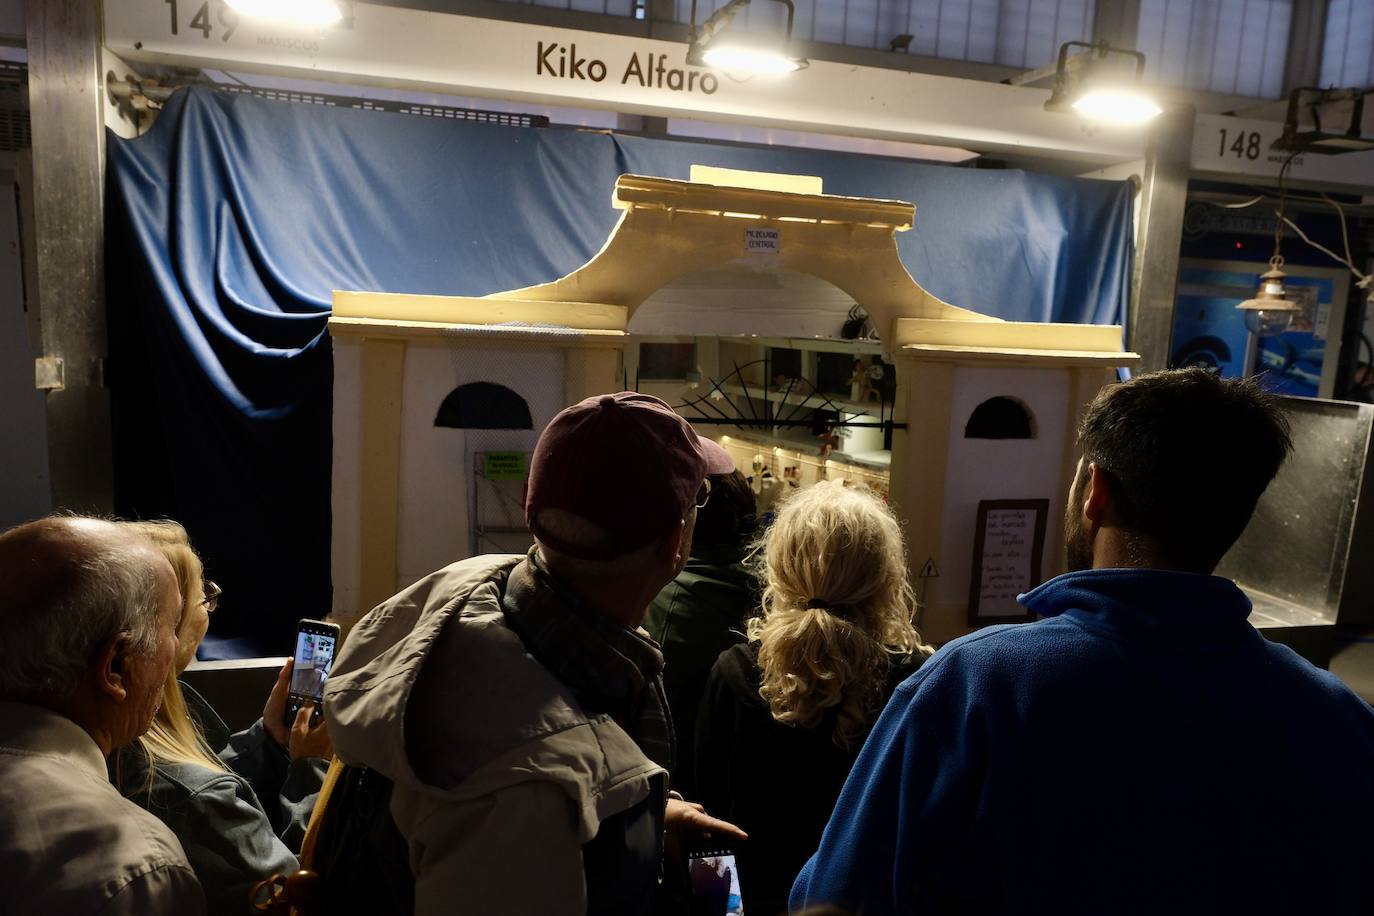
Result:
[[315, 645], [715, 883]]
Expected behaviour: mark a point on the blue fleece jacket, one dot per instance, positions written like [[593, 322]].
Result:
[[1142, 750]]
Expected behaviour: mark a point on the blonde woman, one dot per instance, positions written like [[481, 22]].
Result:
[[784, 715], [210, 798]]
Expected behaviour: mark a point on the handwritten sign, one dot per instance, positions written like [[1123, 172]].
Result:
[[504, 466], [762, 240], [1007, 549]]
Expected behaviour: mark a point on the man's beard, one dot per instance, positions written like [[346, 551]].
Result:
[[1078, 545]]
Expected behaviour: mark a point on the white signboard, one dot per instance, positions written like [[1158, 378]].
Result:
[[761, 241], [1244, 146], [1007, 549], [464, 55]]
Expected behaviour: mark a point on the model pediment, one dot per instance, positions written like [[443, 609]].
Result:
[[736, 253]]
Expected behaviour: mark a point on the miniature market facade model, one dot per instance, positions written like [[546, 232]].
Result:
[[725, 295]]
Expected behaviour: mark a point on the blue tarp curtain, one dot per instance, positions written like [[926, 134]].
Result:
[[233, 219]]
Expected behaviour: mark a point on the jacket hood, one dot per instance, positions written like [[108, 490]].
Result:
[[435, 692]]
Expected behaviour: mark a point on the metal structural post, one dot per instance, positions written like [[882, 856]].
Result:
[[67, 114], [1163, 200], [1303, 64]]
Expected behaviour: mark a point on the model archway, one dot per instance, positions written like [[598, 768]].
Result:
[[1000, 418], [484, 405]]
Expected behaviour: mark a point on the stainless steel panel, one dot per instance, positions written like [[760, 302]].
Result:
[[67, 113], [1300, 557]]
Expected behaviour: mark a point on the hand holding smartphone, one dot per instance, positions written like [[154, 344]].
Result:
[[316, 643], [714, 879]]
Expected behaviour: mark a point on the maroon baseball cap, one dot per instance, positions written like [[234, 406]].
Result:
[[625, 462]]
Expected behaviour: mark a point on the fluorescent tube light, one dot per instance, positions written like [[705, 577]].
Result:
[[294, 12]]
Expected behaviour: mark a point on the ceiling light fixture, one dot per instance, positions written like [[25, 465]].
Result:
[[321, 13], [1123, 106], [1092, 84], [752, 53], [1271, 312], [1329, 104]]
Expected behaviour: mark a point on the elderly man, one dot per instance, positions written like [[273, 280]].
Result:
[[1143, 749], [88, 616], [514, 701]]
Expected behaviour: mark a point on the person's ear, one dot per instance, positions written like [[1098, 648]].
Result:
[[1097, 496], [670, 548], [112, 667]]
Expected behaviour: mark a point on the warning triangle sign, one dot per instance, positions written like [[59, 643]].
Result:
[[929, 571]]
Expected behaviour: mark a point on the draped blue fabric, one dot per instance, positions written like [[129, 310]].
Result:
[[233, 219]]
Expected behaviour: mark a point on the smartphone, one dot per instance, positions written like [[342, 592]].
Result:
[[714, 879], [316, 642]]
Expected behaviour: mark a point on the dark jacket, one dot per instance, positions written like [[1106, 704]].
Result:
[[1143, 750], [776, 782], [229, 838], [696, 617]]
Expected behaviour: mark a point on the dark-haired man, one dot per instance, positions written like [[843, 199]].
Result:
[[701, 613], [1142, 749]]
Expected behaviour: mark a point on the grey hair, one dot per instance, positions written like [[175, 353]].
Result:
[[579, 532], [48, 645]]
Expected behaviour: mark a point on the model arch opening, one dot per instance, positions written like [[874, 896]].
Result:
[[484, 405], [739, 298], [1000, 417]]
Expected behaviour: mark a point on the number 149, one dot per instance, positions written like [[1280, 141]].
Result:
[[228, 19]]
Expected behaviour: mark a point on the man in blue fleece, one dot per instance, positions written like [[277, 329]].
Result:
[[1142, 749]]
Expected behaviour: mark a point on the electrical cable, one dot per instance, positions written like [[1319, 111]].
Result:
[[1345, 234], [1305, 198], [1364, 279]]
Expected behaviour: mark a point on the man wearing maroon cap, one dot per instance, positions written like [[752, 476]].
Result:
[[513, 700]]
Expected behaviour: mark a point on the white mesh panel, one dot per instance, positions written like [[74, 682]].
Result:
[[1348, 48], [1237, 47], [1016, 33]]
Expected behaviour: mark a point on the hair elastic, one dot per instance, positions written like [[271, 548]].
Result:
[[820, 603]]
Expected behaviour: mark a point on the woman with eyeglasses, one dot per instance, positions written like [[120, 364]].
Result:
[[213, 789], [783, 716]]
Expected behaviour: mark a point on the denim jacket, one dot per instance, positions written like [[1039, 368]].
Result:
[[231, 838]]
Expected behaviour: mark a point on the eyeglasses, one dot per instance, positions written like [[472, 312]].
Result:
[[211, 600], [703, 494]]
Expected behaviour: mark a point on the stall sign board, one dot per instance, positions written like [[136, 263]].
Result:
[[1007, 549], [504, 466], [416, 49], [761, 240], [1231, 146]]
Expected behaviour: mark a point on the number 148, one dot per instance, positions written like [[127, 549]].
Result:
[[1245, 145]]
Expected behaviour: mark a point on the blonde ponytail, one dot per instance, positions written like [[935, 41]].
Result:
[[836, 608]]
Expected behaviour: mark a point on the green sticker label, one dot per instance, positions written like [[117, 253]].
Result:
[[504, 466]]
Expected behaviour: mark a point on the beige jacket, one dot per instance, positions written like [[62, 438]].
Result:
[[70, 844], [499, 777]]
